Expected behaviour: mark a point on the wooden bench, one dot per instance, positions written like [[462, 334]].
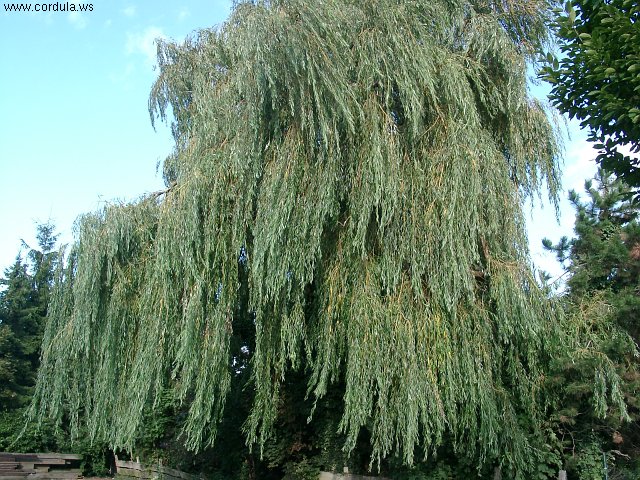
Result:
[[137, 470], [21, 466]]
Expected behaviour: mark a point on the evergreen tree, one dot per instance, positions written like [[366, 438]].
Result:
[[20, 329], [368, 163], [605, 254], [23, 307], [603, 304]]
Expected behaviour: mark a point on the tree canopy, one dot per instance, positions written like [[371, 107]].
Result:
[[347, 185], [597, 78]]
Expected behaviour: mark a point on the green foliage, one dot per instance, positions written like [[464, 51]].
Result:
[[21, 325], [18, 436], [23, 306], [605, 254], [589, 462], [601, 333], [304, 469], [367, 163], [597, 78]]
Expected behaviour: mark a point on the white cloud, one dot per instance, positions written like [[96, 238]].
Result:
[[107, 23], [580, 158], [145, 43], [184, 13], [77, 20], [580, 165], [130, 11]]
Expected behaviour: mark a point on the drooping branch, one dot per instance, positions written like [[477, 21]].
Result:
[[166, 191]]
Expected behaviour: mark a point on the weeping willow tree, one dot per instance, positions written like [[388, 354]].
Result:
[[348, 179]]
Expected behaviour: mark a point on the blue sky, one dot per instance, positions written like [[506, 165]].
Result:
[[75, 130]]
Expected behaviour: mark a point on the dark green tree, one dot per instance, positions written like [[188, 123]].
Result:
[[23, 308], [369, 161], [21, 327], [597, 78], [603, 304]]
